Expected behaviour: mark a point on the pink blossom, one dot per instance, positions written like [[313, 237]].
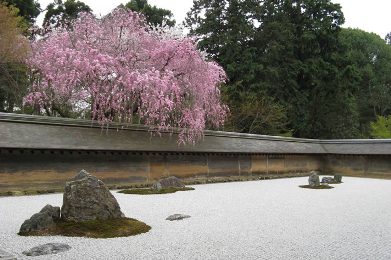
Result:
[[124, 70]]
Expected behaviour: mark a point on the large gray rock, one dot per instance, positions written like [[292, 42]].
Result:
[[167, 183], [313, 180], [43, 220], [47, 249], [6, 256], [87, 198], [177, 217]]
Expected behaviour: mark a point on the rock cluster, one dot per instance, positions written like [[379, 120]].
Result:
[[85, 198], [337, 179], [168, 182]]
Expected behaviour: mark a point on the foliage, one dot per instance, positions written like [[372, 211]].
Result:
[[257, 115], [121, 227], [28, 9], [115, 69], [61, 14], [13, 46], [288, 52], [152, 191], [153, 15], [226, 30], [14, 49], [381, 128], [298, 41], [367, 66]]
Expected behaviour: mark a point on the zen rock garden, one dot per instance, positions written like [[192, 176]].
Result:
[[225, 221], [315, 183]]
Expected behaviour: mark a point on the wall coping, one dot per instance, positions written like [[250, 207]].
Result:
[[334, 146]]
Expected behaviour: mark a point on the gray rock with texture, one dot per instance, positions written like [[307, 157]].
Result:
[[157, 186], [43, 220], [328, 180], [313, 180], [167, 183], [47, 249], [6, 256], [338, 178], [87, 198], [177, 217]]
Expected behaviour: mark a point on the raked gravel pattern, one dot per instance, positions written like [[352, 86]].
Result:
[[270, 219]]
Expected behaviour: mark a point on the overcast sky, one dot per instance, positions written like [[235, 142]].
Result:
[[371, 16]]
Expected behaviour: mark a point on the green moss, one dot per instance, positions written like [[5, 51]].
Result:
[[152, 191], [122, 227], [320, 187], [334, 182]]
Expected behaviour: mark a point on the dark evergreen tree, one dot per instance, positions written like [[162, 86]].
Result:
[[61, 13], [153, 14], [29, 9], [226, 30], [367, 61], [285, 50]]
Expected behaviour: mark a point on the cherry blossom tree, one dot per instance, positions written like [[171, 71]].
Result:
[[118, 69]]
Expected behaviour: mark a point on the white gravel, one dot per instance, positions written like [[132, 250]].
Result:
[[248, 220]]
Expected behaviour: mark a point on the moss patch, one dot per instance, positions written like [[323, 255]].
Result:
[[152, 191], [320, 187], [122, 227], [333, 182]]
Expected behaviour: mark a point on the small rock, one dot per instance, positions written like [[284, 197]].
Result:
[[47, 249], [87, 198], [177, 217], [42, 220], [313, 180], [327, 180], [6, 256], [338, 178], [157, 186], [168, 182]]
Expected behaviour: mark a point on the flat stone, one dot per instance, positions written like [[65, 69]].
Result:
[[47, 249], [87, 198], [177, 217], [6, 256]]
